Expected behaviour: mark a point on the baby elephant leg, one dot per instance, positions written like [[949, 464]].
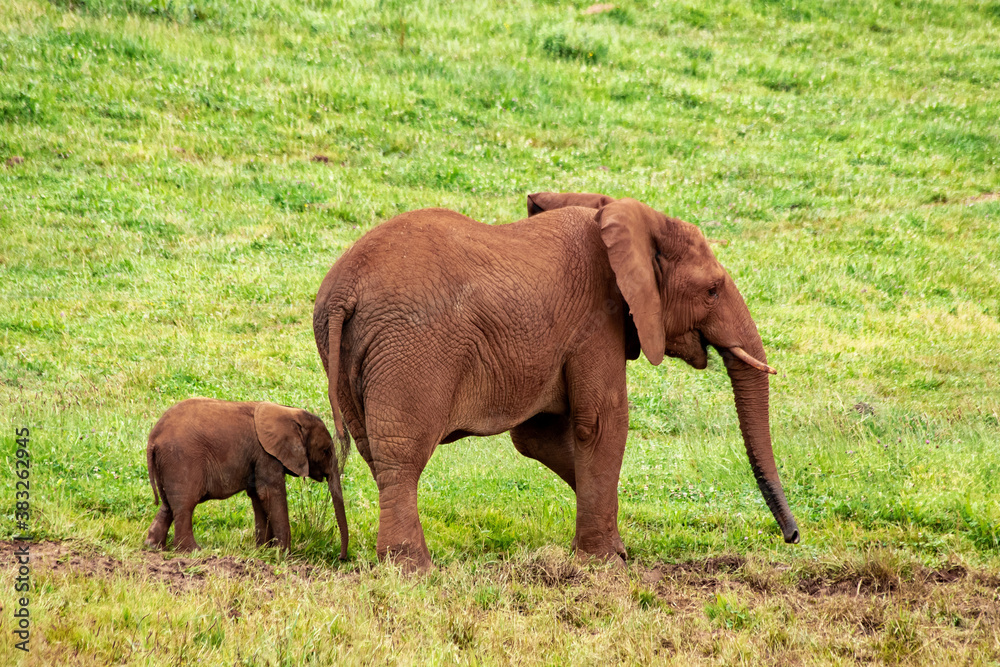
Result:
[[263, 531], [157, 536], [184, 528], [275, 503]]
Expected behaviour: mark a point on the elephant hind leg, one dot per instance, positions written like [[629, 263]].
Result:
[[156, 538], [547, 438], [184, 527], [400, 533], [400, 447]]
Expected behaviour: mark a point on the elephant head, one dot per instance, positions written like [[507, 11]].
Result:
[[301, 441], [681, 301]]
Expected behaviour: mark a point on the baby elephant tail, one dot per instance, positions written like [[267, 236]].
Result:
[[151, 465]]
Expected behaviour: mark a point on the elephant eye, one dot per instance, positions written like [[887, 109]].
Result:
[[713, 292]]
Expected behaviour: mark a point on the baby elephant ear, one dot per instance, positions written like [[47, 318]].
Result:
[[627, 229], [547, 201], [280, 436]]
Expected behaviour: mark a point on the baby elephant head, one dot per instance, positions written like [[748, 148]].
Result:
[[301, 441], [681, 301]]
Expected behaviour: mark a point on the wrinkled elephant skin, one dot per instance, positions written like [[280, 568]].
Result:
[[434, 326], [203, 449]]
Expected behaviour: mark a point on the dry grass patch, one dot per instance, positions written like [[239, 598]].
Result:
[[537, 607]]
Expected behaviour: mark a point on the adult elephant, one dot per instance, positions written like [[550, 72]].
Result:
[[433, 327]]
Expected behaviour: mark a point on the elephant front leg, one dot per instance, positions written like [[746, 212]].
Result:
[[550, 440], [600, 428], [263, 534], [275, 503], [598, 466]]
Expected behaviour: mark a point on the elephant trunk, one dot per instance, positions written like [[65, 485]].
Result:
[[751, 395], [337, 494], [734, 334]]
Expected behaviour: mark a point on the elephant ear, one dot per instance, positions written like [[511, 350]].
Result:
[[547, 201], [627, 229], [280, 435]]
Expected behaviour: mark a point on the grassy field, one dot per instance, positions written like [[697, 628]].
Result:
[[176, 178]]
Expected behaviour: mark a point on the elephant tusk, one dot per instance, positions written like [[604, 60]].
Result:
[[746, 358]]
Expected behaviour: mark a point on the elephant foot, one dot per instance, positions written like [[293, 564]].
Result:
[[187, 547], [409, 558], [605, 550], [619, 549], [156, 538], [613, 560]]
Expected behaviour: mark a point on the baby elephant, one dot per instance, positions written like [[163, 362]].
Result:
[[202, 449]]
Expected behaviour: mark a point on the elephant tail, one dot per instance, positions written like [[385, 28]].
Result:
[[335, 323], [151, 466]]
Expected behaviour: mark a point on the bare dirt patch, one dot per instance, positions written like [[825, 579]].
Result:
[[690, 584], [970, 201], [990, 196], [180, 573], [697, 573], [875, 610], [876, 581], [684, 585], [946, 575]]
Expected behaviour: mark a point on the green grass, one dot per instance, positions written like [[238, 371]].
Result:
[[170, 223]]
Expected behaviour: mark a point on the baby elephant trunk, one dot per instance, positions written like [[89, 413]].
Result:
[[337, 494]]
